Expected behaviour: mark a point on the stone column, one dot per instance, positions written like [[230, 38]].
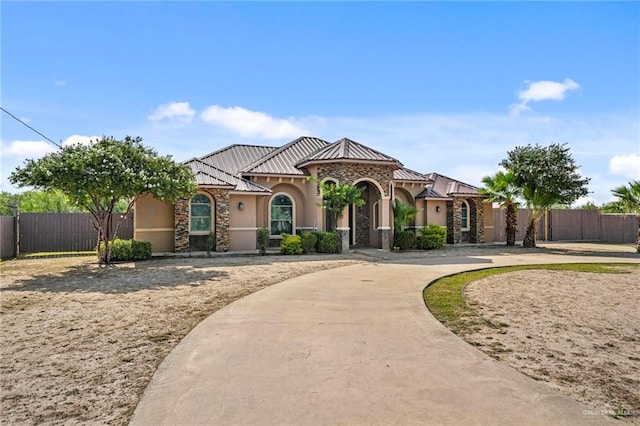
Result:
[[181, 225], [343, 230]]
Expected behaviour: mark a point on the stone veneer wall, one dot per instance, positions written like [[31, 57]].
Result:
[[350, 172], [221, 197], [454, 220]]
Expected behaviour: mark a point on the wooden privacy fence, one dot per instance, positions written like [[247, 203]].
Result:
[[55, 232], [572, 225]]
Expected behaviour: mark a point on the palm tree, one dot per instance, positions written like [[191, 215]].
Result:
[[629, 198], [403, 214], [502, 189]]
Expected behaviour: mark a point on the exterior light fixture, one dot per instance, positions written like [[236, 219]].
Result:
[[241, 205], [437, 209]]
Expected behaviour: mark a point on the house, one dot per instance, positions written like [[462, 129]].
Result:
[[244, 187]]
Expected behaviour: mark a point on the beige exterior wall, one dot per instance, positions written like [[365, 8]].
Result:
[[304, 198], [243, 223], [488, 223], [432, 216], [154, 222]]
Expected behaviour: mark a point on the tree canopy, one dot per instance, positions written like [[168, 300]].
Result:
[[97, 176], [547, 176]]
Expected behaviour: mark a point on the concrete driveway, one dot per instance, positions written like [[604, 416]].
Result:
[[354, 345]]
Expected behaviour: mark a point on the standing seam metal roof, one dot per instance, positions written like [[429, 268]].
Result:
[[206, 174], [408, 174], [445, 187], [347, 149], [283, 160], [236, 157]]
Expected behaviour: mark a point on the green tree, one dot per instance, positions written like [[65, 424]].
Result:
[[336, 197], [8, 202], [502, 189], [629, 198], [546, 176], [97, 176]]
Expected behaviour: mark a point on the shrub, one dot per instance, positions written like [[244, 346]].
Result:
[[126, 250], [263, 240], [309, 240], [432, 237], [327, 242], [291, 244], [404, 239]]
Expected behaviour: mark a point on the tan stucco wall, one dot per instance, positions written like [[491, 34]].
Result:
[[488, 223], [432, 216], [154, 222], [243, 223]]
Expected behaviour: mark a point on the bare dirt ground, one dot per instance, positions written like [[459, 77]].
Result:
[[578, 331], [79, 343]]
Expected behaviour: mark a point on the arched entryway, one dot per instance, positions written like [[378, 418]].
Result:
[[364, 221]]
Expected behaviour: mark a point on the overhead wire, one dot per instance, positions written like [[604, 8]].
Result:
[[25, 124]]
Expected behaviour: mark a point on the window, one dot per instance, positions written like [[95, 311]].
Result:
[[376, 218], [281, 216], [464, 216], [200, 214]]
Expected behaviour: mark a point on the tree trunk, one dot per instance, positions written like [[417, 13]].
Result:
[[530, 236], [512, 223]]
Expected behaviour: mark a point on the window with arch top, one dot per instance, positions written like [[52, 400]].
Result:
[[200, 214], [464, 216], [281, 215]]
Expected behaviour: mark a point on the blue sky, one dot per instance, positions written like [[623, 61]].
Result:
[[442, 86]]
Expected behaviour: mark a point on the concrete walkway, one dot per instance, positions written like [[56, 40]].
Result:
[[353, 345]]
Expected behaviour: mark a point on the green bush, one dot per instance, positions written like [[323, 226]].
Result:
[[404, 239], [309, 240], [432, 237], [327, 242], [125, 250], [291, 244], [263, 240]]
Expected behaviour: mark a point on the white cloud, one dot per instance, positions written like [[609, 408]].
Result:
[[59, 83], [178, 111], [625, 165], [28, 149], [252, 123], [80, 140], [542, 91]]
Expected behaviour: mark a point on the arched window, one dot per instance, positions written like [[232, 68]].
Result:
[[200, 214], [281, 215], [376, 216], [464, 216]]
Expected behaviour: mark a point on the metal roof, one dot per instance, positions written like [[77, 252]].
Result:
[[408, 174], [445, 187], [236, 157], [346, 149], [206, 174], [283, 160]]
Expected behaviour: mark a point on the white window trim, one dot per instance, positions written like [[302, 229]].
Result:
[[213, 213], [468, 227], [293, 214]]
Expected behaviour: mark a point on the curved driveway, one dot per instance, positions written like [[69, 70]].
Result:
[[353, 346]]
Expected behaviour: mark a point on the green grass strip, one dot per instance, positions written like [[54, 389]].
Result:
[[444, 296]]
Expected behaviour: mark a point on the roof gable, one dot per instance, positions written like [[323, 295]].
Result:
[[283, 160], [347, 150]]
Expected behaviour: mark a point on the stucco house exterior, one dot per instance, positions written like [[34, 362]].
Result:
[[244, 187]]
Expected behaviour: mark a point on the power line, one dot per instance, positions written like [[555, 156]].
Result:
[[25, 124]]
